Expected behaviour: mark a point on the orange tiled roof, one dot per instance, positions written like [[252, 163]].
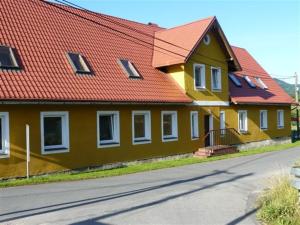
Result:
[[43, 34], [245, 94]]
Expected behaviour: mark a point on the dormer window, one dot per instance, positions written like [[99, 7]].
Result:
[[129, 68], [78, 63], [249, 82], [261, 83], [7, 58], [235, 80]]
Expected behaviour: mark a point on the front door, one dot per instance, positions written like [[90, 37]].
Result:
[[206, 130]]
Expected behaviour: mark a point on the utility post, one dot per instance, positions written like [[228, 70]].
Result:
[[297, 101]]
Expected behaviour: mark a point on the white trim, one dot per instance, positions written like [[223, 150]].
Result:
[[219, 88], [174, 136], [147, 138], [281, 111], [246, 121], [197, 125], [115, 142], [5, 152], [211, 127], [65, 132], [211, 103], [264, 121], [202, 76], [222, 122]]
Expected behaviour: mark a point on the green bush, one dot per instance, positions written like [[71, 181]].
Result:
[[279, 205]]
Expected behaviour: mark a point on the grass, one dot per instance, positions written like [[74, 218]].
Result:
[[135, 168], [279, 204]]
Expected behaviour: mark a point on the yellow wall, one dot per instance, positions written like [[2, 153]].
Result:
[[177, 73], [210, 55], [254, 132], [83, 135]]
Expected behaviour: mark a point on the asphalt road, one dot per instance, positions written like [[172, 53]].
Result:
[[220, 192]]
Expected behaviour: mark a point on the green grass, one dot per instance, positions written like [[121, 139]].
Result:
[[279, 204], [135, 168]]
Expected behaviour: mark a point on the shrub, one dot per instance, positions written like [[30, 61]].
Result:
[[279, 205]]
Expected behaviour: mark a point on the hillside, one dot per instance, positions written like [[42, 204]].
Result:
[[289, 88]]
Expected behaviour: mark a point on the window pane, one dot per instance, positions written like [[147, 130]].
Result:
[[167, 124], [1, 134], [106, 127], [5, 58], [129, 67], [198, 76], [195, 125], [52, 131], [139, 126], [215, 78], [77, 62]]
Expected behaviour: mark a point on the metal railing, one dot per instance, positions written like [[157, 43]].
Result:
[[221, 137]]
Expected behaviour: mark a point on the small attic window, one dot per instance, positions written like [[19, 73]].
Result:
[[249, 82], [7, 58], [235, 80], [129, 68], [261, 83], [206, 39], [78, 63]]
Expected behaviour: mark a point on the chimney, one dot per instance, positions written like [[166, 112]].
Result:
[[153, 24]]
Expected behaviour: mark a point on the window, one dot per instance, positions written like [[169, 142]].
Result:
[[4, 135], [54, 132], [280, 119], [249, 82], [169, 125], [194, 125], [78, 63], [206, 39], [215, 78], [199, 76], [261, 83], [235, 80], [222, 122], [129, 68], [108, 129], [242, 121], [7, 58], [141, 127], [263, 119]]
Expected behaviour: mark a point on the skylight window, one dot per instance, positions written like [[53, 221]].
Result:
[[7, 58], [78, 63], [235, 80], [249, 82], [261, 83], [129, 68]]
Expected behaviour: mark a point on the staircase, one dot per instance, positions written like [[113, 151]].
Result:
[[221, 142]]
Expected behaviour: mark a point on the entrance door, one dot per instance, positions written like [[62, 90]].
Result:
[[206, 130]]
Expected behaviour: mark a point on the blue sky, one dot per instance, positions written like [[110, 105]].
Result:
[[269, 30]]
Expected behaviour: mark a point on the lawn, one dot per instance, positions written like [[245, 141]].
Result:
[[136, 168]]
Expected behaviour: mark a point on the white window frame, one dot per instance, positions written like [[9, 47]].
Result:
[[265, 120], [5, 148], [116, 131], [174, 136], [261, 83], [279, 121], [235, 80], [196, 125], [219, 78], [249, 81], [246, 121], [147, 138], [64, 147], [222, 123], [202, 76]]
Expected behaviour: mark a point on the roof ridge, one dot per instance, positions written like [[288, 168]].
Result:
[[182, 25]]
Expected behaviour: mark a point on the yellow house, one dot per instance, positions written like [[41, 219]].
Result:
[[114, 90]]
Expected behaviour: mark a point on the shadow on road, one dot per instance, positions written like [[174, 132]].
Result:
[[68, 205]]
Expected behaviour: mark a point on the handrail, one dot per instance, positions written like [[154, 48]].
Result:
[[221, 137]]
